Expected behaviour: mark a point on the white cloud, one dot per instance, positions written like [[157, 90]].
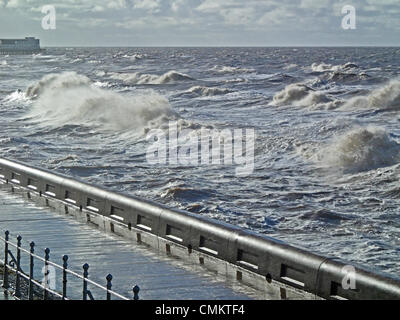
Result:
[[176, 5], [15, 3], [151, 5], [98, 8], [314, 4], [117, 4], [277, 16], [235, 16], [155, 22], [206, 18], [209, 5]]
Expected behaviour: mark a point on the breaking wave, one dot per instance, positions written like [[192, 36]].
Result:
[[57, 83], [228, 69], [338, 76], [69, 98], [140, 78], [299, 94], [15, 96], [206, 91], [348, 72], [361, 149], [324, 67], [134, 57], [386, 98]]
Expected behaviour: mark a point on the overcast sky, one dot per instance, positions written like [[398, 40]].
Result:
[[203, 22]]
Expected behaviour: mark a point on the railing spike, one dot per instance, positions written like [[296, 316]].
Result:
[[85, 275], [5, 277], [136, 290], [65, 266], [18, 273], [109, 286], [31, 265], [46, 273]]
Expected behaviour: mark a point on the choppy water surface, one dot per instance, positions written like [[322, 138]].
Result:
[[327, 152]]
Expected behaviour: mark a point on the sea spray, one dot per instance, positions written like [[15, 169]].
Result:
[[207, 91], [324, 67], [386, 98], [70, 98], [360, 149], [298, 94]]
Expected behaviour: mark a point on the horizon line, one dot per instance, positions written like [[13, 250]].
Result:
[[232, 46]]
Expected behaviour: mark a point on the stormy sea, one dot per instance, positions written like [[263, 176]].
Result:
[[326, 122]]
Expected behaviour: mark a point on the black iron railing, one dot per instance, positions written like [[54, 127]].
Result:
[[41, 290]]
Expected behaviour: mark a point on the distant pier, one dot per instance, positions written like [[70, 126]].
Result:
[[29, 45]]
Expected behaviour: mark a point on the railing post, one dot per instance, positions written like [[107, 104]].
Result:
[[109, 286], [65, 265], [5, 277], [136, 290], [18, 276], [85, 275], [46, 273], [31, 264]]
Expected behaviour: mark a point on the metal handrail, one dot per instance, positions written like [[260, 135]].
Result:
[[19, 273], [37, 283]]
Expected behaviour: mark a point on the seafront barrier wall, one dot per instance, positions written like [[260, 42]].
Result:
[[281, 270]]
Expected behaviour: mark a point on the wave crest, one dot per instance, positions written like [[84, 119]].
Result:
[[207, 91], [361, 149], [140, 78], [324, 67], [229, 69], [69, 98], [57, 82], [386, 98], [17, 95], [299, 94]]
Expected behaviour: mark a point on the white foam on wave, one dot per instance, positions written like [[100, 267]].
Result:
[[100, 73], [339, 76], [17, 95], [386, 98], [134, 57], [39, 55], [71, 98], [237, 80], [207, 91], [77, 60], [290, 66], [142, 78], [101, 84], [57, 82], [299, 94], [325, 67], [230, 69], [360, 149]]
